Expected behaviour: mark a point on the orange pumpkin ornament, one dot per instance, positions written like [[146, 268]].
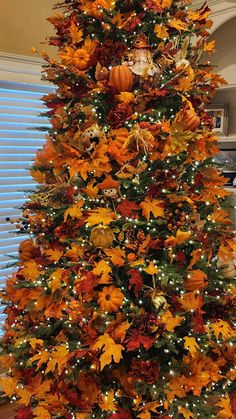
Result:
[[110, 299], [191, 120], [121, 78], [102, 236], [26, 250], [196, 280]]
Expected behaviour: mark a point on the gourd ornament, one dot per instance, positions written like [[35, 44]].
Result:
[[110, 299], [102, 236], [121, 78], [27, 250], [228, 270]]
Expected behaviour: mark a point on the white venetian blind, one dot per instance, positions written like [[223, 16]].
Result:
[[20, 106]]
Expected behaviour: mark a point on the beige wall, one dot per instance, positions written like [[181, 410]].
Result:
[[23, 25]]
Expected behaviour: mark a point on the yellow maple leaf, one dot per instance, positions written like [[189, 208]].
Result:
[[116, 255], [170, 321], [186, 413], [8, 385], [178, 24], [42, 357], [91, 190], [74, 211], [147, 408], [25, 396], [30, 271], [90, 45], [110, 350], [101, 216], [103, 270], [75, 33], [161, 31], [75, 252], [107, 401], [40, 412], [191, 345], [151, 269], [222, 329], [180, 238], [166, 4], [154, 206], [34, 342], [209, 46], [225, 408], [120, 331], [125, 97], [53, 254], [56, 279], [191, 301], [58, 358]]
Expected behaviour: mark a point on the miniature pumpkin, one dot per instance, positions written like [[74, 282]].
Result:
[[110, 299], [121, 78], [191, 120], [26, 250], [196, 280], [102, 236]]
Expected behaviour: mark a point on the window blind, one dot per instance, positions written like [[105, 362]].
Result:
[[20, 106]]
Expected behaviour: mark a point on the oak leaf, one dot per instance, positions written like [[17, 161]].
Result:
[[191, 345], [222, 329], [110, 350], [101, 216], [154, 206]]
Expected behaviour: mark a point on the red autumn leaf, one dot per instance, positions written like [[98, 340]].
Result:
[[135, 280], [121, 414], [127, 208], [198, 322], [24, 413], [86, 284], [135, 340]]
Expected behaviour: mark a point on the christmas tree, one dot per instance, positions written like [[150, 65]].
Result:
[[123, 302]]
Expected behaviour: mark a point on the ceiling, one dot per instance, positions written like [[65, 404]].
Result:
[[23, 25]]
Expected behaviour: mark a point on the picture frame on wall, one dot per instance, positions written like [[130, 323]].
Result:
[[226, 159], [220, 115]]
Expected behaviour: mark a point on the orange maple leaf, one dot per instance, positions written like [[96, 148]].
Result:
[[154, 206], [30, 271], [107, 401], [101, 216], [180, 238], [103, 269], [58, 358], [74, 211], [53, 254], [191, 301], [110, 350], [41, 357], [178, 24], [75, 33], [116, 255], [225, 408], [170, 321]]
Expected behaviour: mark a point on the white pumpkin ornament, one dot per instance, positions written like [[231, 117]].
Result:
[[158, 299], [228, 270]]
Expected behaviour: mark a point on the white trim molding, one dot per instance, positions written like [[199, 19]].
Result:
[[20, 68]]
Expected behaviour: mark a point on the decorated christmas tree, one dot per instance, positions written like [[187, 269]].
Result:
[[123, 302]]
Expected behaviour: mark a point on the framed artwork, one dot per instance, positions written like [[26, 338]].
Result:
[[219, 114], [227, 160]]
